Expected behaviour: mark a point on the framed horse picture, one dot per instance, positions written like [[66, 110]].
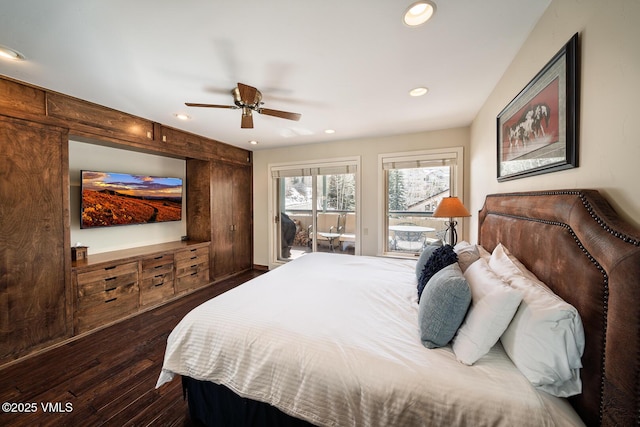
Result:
[[538, 129]]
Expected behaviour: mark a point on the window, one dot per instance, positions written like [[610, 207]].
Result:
[[412, 185], [316, 207]]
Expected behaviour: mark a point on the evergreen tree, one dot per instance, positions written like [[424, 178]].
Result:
[[397, 191]]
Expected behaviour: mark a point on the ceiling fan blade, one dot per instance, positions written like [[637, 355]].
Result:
[[281, 114], [247, 119], [248, 94], [249, 99], [191, 104]]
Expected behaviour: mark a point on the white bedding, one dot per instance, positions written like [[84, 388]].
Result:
[[333, 339]]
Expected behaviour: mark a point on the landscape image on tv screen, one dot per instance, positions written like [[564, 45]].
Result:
[[121, 199]]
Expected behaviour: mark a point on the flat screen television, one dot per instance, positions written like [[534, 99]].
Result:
[[110, 198]]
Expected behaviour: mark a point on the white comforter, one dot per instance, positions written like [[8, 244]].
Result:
[[333, 339]]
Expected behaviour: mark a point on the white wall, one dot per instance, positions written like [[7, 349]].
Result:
[[368, 150], [609, 139], [106, 159]]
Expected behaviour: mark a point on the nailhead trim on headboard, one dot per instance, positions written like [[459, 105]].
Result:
[[589, 209], [611, 399], [605, 282], [602, 224]]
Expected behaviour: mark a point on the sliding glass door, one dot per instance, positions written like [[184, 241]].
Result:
[[316, 209]]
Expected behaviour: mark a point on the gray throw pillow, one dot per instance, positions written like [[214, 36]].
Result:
[[424, 256], [443, 306]]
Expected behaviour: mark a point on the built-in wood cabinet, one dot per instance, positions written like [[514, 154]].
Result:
[[231, 218], [242, 218], [87, 119], [44, 299], [113, 285], [19, 100], [105, 293], [225, 216], [34, 236], [192, 268], [156, 278]]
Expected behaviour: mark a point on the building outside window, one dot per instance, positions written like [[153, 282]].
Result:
[[412, 184]]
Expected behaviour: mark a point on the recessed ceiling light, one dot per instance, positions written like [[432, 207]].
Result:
[[419, 91], [419, 13], [182, 116], [329, 131], [253, 142], [12, 54]]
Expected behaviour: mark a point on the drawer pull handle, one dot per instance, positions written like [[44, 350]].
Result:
[[159, 257], [110, 268], [194, 273], [110, 289], [194, 257], [158, 266], [158, 275], [159, 284], [193, 250], [111, 300], [110, 278]]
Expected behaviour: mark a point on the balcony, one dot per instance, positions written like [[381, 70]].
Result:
[[336, 232]]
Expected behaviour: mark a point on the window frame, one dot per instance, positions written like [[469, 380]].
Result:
[[323, 165], [453, 155]]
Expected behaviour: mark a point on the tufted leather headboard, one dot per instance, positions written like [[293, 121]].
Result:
[[575, 242]]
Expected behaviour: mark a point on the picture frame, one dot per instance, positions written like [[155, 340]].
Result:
[[537, 132]]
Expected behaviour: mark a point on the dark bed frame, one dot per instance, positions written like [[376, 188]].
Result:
[[573, 241]]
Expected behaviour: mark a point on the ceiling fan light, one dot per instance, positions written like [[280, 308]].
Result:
[[419, 13]]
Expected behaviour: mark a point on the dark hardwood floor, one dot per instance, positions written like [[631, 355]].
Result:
[[107, 377]]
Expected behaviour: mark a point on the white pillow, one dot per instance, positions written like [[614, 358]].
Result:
[[467, 254], [507, 265], [493, 304], [545, 339], [483, 253]]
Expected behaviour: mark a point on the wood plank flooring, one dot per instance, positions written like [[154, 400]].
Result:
[[108, 377]]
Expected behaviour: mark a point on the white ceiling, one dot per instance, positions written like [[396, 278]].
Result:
[[343, 64]]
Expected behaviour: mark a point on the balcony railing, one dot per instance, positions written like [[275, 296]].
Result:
[[434, 227]]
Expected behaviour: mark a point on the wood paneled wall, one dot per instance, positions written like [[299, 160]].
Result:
[[86, 119], [35, 124]]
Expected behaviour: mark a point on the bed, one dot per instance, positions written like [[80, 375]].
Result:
[[333, 340]]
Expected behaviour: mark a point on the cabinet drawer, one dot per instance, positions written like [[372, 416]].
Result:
[[156, 262], [93, 311], [156, 270], [157, 288], [194, 280], [107, 278], [193, 267], [106, 272], [191, 256], [108, 296]]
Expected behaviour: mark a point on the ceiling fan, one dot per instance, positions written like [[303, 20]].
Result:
[[249, 99]]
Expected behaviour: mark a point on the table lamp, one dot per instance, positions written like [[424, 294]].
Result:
[[451, 207]]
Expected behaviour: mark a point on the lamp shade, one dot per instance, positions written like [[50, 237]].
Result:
[[450, 207]]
